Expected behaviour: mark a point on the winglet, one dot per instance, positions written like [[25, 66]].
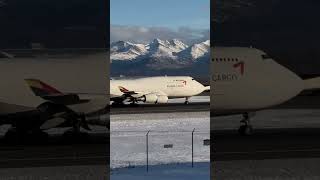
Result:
[[41, 89], [122, 89]]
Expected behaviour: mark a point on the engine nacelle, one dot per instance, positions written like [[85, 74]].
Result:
[[51, 108], [150, 98], [162, 99]]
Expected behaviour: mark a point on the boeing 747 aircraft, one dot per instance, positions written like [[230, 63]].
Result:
[[154, 89], [58, 109], [246, 80], [76, 97]]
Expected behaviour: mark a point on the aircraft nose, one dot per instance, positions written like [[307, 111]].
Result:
[[200, 87]]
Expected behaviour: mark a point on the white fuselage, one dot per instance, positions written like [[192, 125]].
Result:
[[65, 74], [246, 79], [171, 86]]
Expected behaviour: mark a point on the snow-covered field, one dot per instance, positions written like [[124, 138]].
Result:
[[128, 141]]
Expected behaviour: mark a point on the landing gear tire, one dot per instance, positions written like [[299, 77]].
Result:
[[186, 101], [134, 104], [245, 130], [117, 104]]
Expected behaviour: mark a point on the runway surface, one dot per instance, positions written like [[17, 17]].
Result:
[[55, 152], [285, 145], [161, 108], [83, 172], [266, 144], [284, 133]]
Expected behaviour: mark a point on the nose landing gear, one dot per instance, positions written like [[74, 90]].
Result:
[[187, 100], [245, 127]]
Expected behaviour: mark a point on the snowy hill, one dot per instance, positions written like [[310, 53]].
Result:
[[122, 50], [158, 57], [195, 51], [159, 48]]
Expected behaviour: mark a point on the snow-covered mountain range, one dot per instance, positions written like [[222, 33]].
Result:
[[158, 55], [158, 50]]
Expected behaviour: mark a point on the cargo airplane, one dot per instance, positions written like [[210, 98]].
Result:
[[246, 80], [58, 109], [76, 97], [155, 90]]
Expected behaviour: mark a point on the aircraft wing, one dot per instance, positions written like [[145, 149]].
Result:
[[128, 94]]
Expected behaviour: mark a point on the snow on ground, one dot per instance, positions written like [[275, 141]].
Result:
[[168, 172], [128, 138]]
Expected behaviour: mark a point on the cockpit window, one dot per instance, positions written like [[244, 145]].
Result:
[[265, 56], [192, 79]]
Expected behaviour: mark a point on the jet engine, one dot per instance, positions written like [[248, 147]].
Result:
[[162, 99], [150, 98], [153, 98], [51, 108]]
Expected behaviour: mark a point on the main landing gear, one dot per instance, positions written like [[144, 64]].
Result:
[[187, 100], [117, 104], [133, 102], [74, 134], [245, 127]]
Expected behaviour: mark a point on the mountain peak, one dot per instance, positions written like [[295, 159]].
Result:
[[124, 50], [158, 49], [195, 51]]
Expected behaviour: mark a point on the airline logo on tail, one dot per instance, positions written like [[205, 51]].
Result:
[[41, 89], [122, 89]]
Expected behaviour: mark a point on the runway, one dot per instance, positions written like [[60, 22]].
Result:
[[284, 153], [56, 152], [266, 144], [285, 145], [278, 133], [161, 108]]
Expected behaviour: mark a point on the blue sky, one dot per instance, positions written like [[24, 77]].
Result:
[[163, 13], [144, 20]]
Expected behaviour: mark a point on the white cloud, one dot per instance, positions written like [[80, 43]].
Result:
[[139, 34]]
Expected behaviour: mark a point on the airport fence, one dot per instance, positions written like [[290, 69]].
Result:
[[145, 148]]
